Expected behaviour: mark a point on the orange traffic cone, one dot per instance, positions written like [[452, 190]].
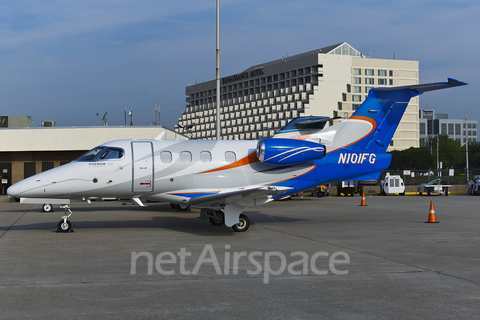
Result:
[[431, 215], [363, 202]]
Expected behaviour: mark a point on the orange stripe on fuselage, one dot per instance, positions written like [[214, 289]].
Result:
[[251, 158]]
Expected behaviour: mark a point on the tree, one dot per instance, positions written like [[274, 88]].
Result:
[[411, 158], [451, 152]]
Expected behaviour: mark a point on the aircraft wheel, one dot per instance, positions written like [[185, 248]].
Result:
[[64, 226], [183, 207], [47, 207], [243, 225], [218, 220]]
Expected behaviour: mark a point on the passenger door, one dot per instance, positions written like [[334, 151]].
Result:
[[142, 166]]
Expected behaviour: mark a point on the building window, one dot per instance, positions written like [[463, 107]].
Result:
[[357, 80], [369, 81], [369, 72], [367, 89], [382, 82], [357, 89], [444, 128], [391, 82], [357, 72], [422, 128], [355, 106], [29, 169], [450, 129], [457, 129], [47, 166], [382, 73], [357, 98], [390, 73]]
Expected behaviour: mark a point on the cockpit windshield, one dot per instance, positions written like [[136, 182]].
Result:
[[102, 153]]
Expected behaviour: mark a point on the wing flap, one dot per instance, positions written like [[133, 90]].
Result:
[[238, 196]]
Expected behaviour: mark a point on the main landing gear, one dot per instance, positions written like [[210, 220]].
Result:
[[47, 207], [64, 225], [217, 218]]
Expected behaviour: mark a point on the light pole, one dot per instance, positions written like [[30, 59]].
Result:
[[466, 139], [218, 73]]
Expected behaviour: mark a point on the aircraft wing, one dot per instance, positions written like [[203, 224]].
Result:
[[244, 197]]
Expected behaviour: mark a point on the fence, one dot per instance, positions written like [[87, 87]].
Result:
[[448, 176]]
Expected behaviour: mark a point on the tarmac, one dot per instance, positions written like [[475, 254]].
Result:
[[306, 258]]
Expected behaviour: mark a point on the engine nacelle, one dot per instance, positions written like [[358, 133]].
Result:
[[288, 151]]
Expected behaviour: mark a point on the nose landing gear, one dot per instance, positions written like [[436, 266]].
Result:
[[64, 225]]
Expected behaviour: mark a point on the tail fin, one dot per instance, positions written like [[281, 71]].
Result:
[[373, 124]]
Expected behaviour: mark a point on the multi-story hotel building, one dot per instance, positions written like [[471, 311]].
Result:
[[332, 81]]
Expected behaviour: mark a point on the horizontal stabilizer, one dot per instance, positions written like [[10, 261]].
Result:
[[421, 88]]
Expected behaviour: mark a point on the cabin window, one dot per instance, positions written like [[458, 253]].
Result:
[[90, 155], [205, 157], [102, 153], [185, 157], [112, 153], [230, 157], [166, 156]]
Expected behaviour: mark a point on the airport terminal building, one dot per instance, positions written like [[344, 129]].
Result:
[[331, 81]]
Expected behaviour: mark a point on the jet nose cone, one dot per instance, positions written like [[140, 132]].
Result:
[[13, 191]]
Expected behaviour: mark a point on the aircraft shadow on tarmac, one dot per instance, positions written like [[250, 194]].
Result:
[[181, 221]]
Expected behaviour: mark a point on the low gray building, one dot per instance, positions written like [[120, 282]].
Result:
[[433, 124]]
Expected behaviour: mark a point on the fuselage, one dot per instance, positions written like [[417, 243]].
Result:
[[178, 170]]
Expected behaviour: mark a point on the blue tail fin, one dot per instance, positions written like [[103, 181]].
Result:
[[373, 124]]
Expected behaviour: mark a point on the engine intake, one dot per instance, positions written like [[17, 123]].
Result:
[[288, 151]]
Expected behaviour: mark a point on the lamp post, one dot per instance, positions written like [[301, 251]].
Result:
[[466, 139], [218, 128]]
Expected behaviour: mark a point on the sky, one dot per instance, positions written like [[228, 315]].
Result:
[[69, 60]]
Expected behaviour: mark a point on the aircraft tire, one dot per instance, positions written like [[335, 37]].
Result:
[[243, 225], [218, 220], [47, 207], [183, 207], [64, 227]]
